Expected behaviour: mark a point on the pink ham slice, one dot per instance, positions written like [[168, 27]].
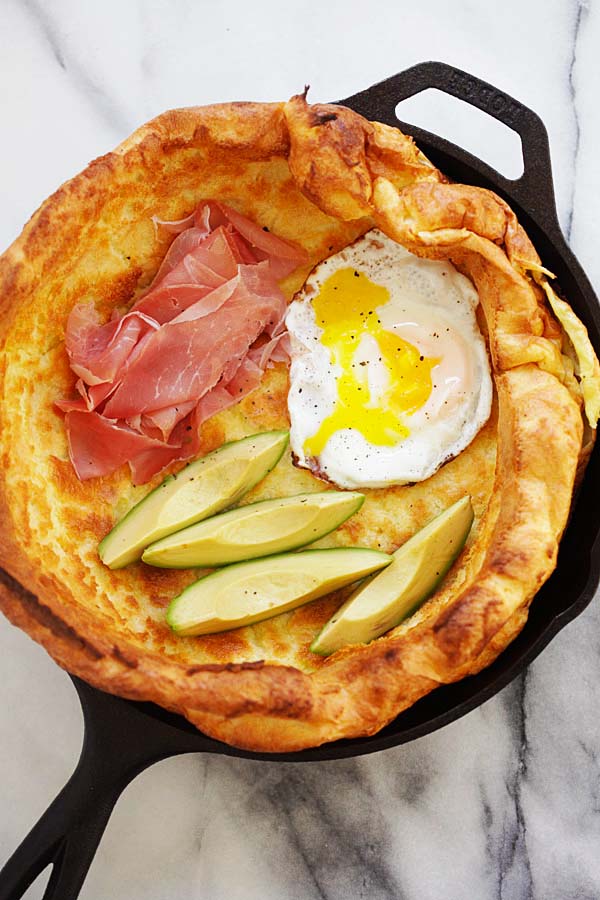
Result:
[[97, 352], [91, 396], [282, 255], [210, 303], [182, 361], [246, 379], [165, 420], [195, 343], [271, 351], [186, 279], [176, 226], [98, 446], [183, 245], [183, 444], [148, 463]]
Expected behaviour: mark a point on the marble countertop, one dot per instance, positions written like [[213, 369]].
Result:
[[501, 805]]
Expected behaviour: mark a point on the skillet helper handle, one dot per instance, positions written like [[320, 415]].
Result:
[[119, 743], [534, 189]]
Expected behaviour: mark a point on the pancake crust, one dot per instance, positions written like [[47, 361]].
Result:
[[320, 176]]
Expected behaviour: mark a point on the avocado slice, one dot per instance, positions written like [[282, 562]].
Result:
[[259, 529], [385, 600], [251, 591], [202, 488]]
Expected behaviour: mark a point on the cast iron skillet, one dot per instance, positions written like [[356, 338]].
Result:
[[122, 737]]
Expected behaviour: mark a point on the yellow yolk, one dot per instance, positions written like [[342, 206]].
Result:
[[346, 310]]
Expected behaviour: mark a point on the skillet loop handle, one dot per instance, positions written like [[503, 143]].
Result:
[[380, 102], [66, 837], [119, 743]]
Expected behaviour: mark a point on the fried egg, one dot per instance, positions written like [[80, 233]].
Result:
[[389, 374]]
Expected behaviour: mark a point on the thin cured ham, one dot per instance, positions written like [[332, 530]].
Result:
[[97, 352], [283, 257], [226, 393], [98, 445], [196, 342], [183, 360]]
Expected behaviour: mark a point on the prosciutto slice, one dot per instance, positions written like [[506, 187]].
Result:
[[283, 256], [165, 420], [183, 444], [185, 359], [97, 352], [98, 446], [90, 396], [196, 342], [184, 280], [225, 394]]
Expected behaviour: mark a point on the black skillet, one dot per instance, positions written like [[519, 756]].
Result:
[[122, 738]]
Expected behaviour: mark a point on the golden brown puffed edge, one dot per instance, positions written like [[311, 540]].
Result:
[[351, 169]]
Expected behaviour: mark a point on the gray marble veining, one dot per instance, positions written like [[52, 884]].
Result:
[[501, 805], [67, 54]]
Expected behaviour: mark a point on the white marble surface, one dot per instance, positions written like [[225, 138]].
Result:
[[502, 805]]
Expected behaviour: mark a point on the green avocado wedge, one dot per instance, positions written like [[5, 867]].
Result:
[[258, 529], [204, 487], [385, 600], [251, 591]]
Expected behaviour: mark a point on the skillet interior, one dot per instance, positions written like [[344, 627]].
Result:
[[572, 585], [50, 350], [70, 518], [152, 733]]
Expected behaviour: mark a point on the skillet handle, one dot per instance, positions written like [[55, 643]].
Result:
[[66, 837], [119, 743], [534, 190]]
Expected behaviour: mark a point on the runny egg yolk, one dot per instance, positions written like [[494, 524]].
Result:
[[346, 311]]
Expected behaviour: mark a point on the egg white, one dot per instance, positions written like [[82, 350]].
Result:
[[431, 306]]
